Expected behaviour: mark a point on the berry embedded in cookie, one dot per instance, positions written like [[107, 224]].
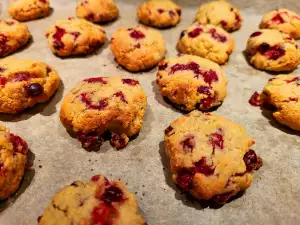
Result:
[[75, 37], [210, 156], [282, 95], [283, 20], [272, 50], [206, 40], [138, 48], [24, 83], [98, 201], [24, 10], [13, 159], [191, 82], [97, 11], [159, 14], [220, 13], [104, 106], [13, 36]]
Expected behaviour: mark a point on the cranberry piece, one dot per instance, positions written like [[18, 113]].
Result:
[[39, 218], [162, 66], [293, 80], [182, 34], [195, 33], [3, 81], [121, 95], [19, 144], [95, 80], [172, 13], [216, 140], [101, 214], [112, 194], [160, 11], [118, 141], [9, 23], [255, 99], [88, 140], [222, 198], [188, 144], [90, 17], [43, 1], [2, 69], [185, 179], [35, 89], [275, 52], [204, 90], [169, 130], [75, 35], [103, 103], [137, 34], [4, 48], [95, 178], [215, 35], [206, 103], [255, 34], [74, 184], [278, 19], [210, 76], [238, 19], [202, 167], [178, 11], [58, 44], [292, 99], [138, 45], [21, 76], [130, 81], [190, 66], [223, 23], [263, 48], [250, 160]]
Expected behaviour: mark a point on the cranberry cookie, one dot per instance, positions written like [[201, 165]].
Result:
[[97, 202], [191, 82], [24, 10], [206, 40], [138, 48], [272, 50], [159, 14], [283, 20], [13, 159], [13, 35], [75, 37], [97, 11], [210, 156], [220, 13], [104, 104], [24, 83]]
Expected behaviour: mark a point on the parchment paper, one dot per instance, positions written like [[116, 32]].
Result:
[[274, 197]]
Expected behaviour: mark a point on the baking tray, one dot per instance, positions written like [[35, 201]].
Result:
[[58, 159]]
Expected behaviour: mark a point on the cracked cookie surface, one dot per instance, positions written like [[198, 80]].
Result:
[[272, 50], [191, 82], [206, 40], [159, 14], [13, 159], [75, 37], [24, 10], [24, 83], [220, 13], [97, 202], [210, 156], [138, 48], [104, 104]]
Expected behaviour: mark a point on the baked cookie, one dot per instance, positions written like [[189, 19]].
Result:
[[24, 83], [220, 13], [159, 14], [210, 156], [282, 95], [272, 50], [101, 105], [97, 202], [207, 41], [138, 48], [13, 35], [24, 10], [75, 37], [191, 82], [13, 159], [283, 20], [97, 11]]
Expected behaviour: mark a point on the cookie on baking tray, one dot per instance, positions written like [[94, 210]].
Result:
[[24, 10], [220, 13], [138, 48], [97, 11], [13, 159], [96, 202], [75, 37], [283, 20], [206, 40], [159, 14], [24, 83], [210, 156], [191, 82], [101, 105], [272, 50], [13, 35]]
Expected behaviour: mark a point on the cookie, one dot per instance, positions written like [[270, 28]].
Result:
[[206, 40], [159, 14], [24, 10], [24, 83], [13, 159], [138, 48], [210, 156], [283, 20], [97, 11], [75, 37], [191, 82], [104, 106], [98, 201], [282, 95], [220, 13], [272, 50], [13, 36]]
